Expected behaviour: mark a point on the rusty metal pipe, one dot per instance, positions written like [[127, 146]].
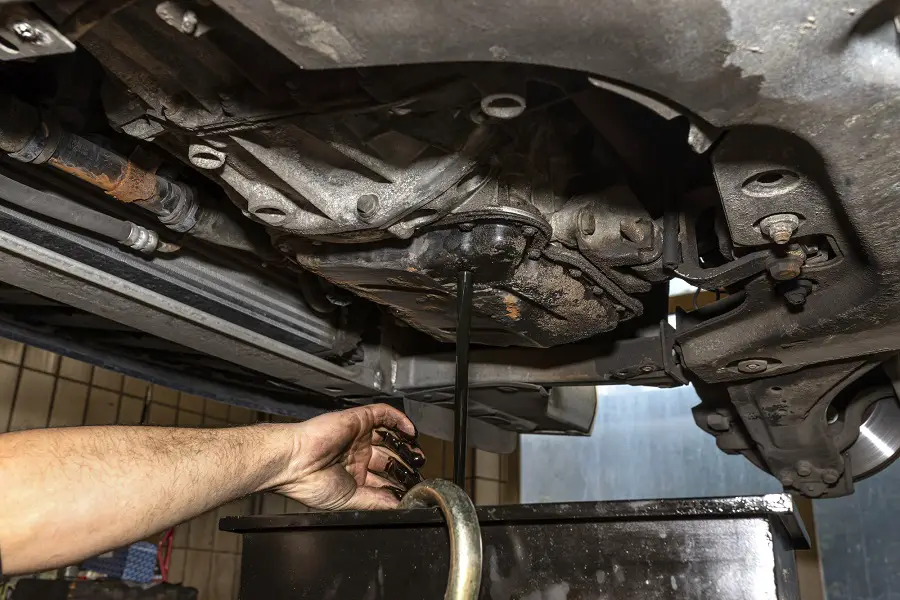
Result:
[[114, 174], [464, 581]]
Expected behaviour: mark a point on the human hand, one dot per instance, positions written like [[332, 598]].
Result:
[[340, 460]]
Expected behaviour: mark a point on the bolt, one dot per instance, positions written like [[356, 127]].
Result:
[[718, 422], [466, 226], [786, 479], [647, 369], [575, 273], [27, 32], [587, 222], [830, 476], [782, 269], [779, 228], [367, 206], [796, 296], [754, 365], [804, 468], [189, 22], [528, 231]]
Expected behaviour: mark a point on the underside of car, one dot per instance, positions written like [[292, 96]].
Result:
[[268, 201]]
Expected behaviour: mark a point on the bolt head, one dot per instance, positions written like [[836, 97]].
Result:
[[189, 22], [718, 422], [804, 468], [782, 269], [753, 365], [647, 369], [786, 479], [830, 476], [367, 206], [795, 298], [26, 31]]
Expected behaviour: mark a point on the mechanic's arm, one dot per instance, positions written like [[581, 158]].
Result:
[[67, 494]]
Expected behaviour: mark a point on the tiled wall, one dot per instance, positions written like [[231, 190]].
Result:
[[41, 389]]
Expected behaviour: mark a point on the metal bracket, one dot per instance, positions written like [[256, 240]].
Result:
[[25, 33]]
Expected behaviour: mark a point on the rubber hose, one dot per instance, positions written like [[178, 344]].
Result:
[[63, 209]]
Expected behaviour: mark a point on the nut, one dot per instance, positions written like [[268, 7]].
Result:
[[830, 476], [753, 365], [788, 267], [718, 422], [779, 228], [367, 206], [804, 468]]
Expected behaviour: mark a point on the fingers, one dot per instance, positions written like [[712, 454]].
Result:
[[374, 480], [407, 451], [371, 498], [390, 417]]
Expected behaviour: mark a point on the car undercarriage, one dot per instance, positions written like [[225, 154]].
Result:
[[267, 202]]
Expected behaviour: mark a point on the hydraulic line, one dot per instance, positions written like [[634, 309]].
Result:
[[67, 211]]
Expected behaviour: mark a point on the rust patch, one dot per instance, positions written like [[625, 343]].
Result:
[[136, 184], [512, 306], [100, 180], [133, 184]]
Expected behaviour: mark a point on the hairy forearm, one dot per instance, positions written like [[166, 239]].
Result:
[[66, 494]]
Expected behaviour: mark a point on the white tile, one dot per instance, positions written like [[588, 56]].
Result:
[[196, 571], [75, 369], [103, 407], [69, 403], [11, 351], [40, 360], [107, 379], [130, 410], [487, 465], [202, 531], [33, 398], [487, 492], [9, 377], [221, 580]]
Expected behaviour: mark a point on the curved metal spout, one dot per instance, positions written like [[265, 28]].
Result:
[[464, 581]]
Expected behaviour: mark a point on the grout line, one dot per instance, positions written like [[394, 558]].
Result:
[[87, 402], [12, 405], [53, 390]]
